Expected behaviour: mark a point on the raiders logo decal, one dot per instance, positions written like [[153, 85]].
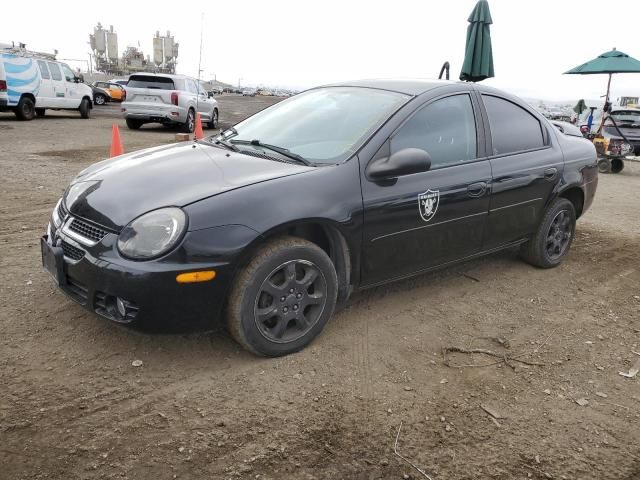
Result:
[[428, 204]]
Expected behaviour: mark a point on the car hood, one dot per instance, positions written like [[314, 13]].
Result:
[[114, 192]]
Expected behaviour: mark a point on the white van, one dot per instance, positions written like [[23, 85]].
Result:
[[31, 82]]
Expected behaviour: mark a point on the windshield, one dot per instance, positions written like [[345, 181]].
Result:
[[626, 117], [325, 125]]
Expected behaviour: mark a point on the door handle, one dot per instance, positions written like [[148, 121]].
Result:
[[477, 189], [550, 173]]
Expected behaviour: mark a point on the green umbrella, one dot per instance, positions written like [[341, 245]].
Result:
[[478, 56], [611, 62], [580, 107]]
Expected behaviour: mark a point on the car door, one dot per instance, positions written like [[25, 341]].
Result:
[[46, 96], [58, 84], [526, 166], [73, 90], [419, 221], [205, 105]]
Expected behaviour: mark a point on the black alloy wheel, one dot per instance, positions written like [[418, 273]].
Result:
[[559, 235], [551, 242], [282, 299], [290, 301]]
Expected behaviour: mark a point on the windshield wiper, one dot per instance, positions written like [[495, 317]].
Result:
[[225, 143], [285, 152]]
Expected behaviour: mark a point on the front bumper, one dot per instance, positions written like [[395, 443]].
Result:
[[96, 277]]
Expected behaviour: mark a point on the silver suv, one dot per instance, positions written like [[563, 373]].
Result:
[[167, 99]]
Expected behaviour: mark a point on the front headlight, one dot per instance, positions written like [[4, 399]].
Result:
[[55, 215], [152, 234]]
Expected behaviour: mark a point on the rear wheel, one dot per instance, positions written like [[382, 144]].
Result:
[[282, 300], [190, 125], [85, 108], [40, 112], [552, 241], [133, 124], [26, 109]]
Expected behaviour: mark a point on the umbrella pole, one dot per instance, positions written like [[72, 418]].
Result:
[[606, 102], [608, 89]]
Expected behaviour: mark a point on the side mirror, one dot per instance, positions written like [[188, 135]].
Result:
[[404, 162], [77, 79]]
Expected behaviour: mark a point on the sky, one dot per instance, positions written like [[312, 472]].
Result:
[[300, 44]]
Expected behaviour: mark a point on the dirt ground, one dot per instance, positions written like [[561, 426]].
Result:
[[72, 406]]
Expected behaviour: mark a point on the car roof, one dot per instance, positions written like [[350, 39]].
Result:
[[407, 86]]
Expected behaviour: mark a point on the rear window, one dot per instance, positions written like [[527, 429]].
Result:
[[143, 81]]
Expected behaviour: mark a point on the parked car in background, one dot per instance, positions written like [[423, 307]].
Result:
[[272, 223], [215, 91], [117, 91], [627, 130], [31, 83], [567, 128], [167, 99], [248, 92], [120, 81], [100, 95]]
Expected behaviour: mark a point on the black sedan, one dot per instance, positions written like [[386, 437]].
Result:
[[275, 221]]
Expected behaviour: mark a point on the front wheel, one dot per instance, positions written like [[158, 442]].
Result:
[[283, 298], [99, 99], [85, 108], [551, 242]]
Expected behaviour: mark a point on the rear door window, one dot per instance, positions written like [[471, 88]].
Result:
[[44, 71], [513, 129], [55, 71], [144, 81]]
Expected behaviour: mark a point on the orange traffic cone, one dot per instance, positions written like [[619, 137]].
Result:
[[116, 143], [198, 133]]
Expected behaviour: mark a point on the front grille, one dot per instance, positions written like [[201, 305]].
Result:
[[74, 253], [77, 290], [87, 230]]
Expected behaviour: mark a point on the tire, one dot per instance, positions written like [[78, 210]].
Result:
[[99, 99], [604, 165], [213, 123], [85, 108], [294, 314], [26, 109], [40, 112], [552, 241], [617, 165], [133, 124], [190, 124]]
